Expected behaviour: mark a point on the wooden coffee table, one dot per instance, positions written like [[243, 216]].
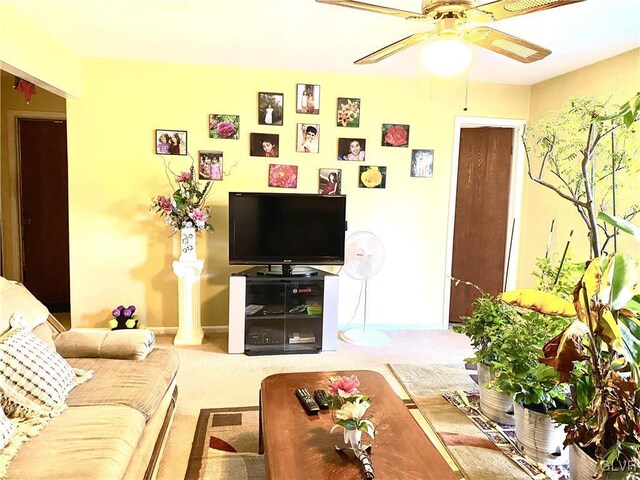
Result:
[[300, 446]]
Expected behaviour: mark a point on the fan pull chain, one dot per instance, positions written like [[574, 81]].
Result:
[[466, 93]]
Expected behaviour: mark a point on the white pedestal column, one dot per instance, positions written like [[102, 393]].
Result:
[[189, 327]]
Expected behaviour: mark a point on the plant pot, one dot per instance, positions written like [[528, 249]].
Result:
[[497, 406], [582, 466], [188, 244], [540, 437]]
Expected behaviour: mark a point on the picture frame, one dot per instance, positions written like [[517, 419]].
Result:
[[224, 126], [308, 98], [422, 163], [171, 142], [264, 145], [395, 135], [308, 138], [348, 112], [210, 165], [371, 176], [329, 181], [270, 108], [352, 149], [283, 176]]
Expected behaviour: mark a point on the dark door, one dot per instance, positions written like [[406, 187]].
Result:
[[45, 210], [482, 206]]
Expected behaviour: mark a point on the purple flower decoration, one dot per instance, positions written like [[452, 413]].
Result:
[[116, 313]]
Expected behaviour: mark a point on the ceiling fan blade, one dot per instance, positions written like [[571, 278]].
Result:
[[389, 50], [510, 8], [373, 8], [507, 45]]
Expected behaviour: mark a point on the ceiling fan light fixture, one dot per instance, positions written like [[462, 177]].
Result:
[[446, 57]]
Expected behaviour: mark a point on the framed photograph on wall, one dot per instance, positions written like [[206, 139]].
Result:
[[308, 138], [308, 98], [351, 149], [270, 108], [264, 145], [372, 177], [348, 112], [394, 135], [209, 165], [422, 163], [171, 142], [224, 126], [283, 176], [330, 181]]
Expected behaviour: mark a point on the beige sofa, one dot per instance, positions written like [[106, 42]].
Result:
[[116, 423]]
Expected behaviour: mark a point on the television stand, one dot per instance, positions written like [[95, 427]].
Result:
[[277, 314], [287, 271]]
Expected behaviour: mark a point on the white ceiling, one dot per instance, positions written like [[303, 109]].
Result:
[[305, 35]]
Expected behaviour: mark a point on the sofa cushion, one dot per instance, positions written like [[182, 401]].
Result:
[[34, 379], [118, 344], [7, 429], [82, 443], [16, 300], [140, 384]]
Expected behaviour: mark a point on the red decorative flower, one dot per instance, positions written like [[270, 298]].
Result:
[[396, 136], [284, 176]]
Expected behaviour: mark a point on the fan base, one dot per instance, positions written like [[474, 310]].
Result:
[[369, 338]]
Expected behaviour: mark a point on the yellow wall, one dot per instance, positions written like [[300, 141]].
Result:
[[27, 50], [619, 76], [121, 253], [12, 101]]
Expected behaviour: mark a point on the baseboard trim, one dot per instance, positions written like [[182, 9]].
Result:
[[174, 330]]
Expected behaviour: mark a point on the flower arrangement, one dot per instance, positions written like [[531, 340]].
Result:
[[350, 408], [184, 208], [124, 318]]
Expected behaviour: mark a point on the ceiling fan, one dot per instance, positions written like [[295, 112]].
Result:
[[458, 19]]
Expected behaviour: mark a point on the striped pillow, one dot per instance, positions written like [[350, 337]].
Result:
[[7, 430], [34, 379]]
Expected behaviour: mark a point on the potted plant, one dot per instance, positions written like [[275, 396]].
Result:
[[598, 354], [486, 327], [535, 387]]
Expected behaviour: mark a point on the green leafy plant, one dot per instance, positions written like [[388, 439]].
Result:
[[486, 327], [592, 353], [584, 154], [558, 279]]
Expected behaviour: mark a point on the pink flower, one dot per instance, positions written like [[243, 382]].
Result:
[[184, 177], [344, 386], [225, 129], [199, 216], [284, 176], [165, 204]]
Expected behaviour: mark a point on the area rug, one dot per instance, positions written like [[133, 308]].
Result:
[[225, 446], [446, 395]]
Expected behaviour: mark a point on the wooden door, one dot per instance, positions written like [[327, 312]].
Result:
[[44, 210], [482, 207]]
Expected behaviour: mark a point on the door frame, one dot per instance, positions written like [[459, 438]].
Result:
[[12, 234], [516, 184]]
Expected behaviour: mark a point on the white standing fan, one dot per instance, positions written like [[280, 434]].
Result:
[[364, 257]]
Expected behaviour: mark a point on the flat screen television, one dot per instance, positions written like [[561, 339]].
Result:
[[286, 229]]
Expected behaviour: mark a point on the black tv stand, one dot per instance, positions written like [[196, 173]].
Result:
[[287, 271]]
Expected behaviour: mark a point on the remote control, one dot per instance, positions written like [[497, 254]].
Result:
[[307, 401], [321, 399]]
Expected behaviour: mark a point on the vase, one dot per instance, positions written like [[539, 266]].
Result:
[[188, 244], [353, 437], [496, 406], [539, 437], [583, 467]]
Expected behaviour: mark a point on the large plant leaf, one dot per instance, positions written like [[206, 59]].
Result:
[[562, 350], [621, 224], [623, 280], [541, 302], [630, 334], [609, 331]]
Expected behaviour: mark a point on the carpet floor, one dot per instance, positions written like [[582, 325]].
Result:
[[210, 378]]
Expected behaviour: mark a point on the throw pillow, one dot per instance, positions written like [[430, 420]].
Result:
[[34, 379], [7, 429], [15, 299]]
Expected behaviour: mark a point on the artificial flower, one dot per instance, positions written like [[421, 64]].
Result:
[[353, 410], [344, 386]]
